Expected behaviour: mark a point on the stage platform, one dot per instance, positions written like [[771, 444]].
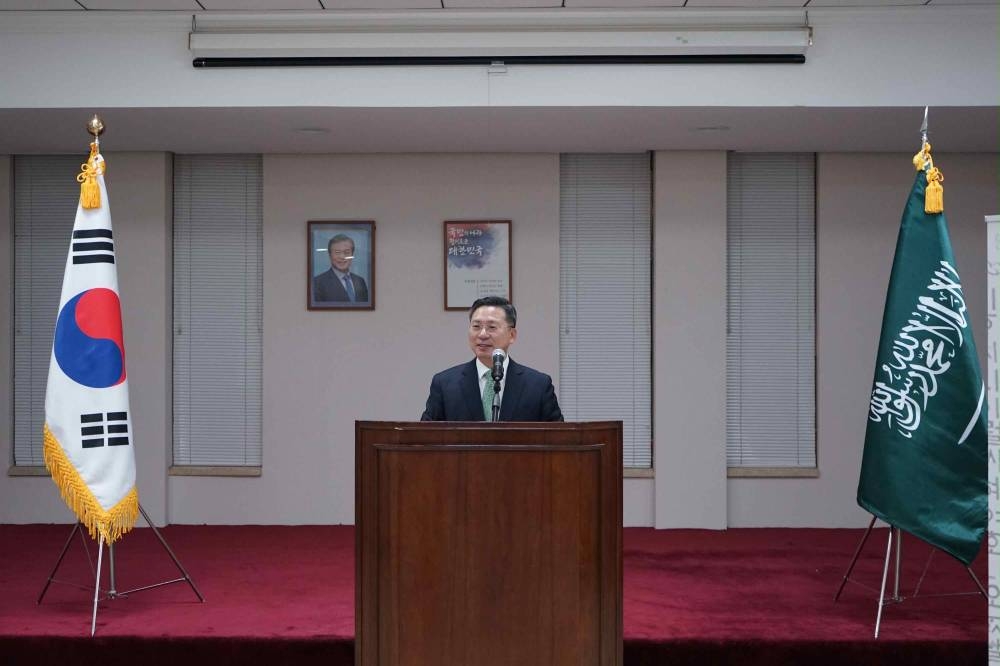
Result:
[[285, 595]]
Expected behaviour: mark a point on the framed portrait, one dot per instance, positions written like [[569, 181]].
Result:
[[477, 260], [340, 265]]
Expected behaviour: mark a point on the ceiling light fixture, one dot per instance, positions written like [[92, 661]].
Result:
[[515, 37]]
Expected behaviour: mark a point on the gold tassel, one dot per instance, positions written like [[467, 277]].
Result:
[[90, 191], [922, 157], [934, 196], [111, 524]]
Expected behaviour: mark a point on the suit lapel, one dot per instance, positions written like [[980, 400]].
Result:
[[511, 391], [338, 287], [470, 392]]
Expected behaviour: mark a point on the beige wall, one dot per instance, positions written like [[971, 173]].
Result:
[[689, 350], [323, 370], [141, 189]]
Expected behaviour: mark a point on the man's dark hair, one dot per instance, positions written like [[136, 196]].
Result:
[[340, 238], [510, 314]]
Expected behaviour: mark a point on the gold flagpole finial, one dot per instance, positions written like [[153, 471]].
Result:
[[95, 126], [90, 192]]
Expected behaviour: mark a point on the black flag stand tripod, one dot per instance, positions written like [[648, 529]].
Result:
[[896, 534], [112, 592]]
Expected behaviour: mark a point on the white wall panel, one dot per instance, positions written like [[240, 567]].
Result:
[[859, 58], [689, 348]]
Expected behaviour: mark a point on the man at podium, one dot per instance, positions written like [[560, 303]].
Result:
[[466, 392]]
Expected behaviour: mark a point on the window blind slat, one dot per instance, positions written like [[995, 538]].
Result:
[[770, 343], [45, 201], [605, 370], [218, 287]]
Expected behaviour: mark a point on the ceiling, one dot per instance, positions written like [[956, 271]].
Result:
[[458, 129], [461, 129], [312, 5]]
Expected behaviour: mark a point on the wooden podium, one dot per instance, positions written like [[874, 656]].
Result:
[[482, 544]]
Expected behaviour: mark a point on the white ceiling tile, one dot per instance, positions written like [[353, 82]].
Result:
[[35, 5], [863, 3], [622, 4], [756, 4], [142, 5], [382, 4], [260, 5], [499, 4]]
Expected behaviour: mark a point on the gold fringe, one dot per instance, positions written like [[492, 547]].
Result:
[[111, 524], [90, 191]]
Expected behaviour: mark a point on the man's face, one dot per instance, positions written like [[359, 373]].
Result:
[[488, 330], [341, 254]]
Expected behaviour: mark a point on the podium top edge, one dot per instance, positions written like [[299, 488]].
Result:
[[475, 425]]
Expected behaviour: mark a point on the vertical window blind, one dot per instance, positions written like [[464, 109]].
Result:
[[45, 199], [217, 308], [605, 276], [771, 323]]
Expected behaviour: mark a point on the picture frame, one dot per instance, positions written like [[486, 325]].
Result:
[[336, 250], [477, 261]]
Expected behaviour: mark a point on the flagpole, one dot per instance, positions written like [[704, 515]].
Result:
[[97, 586], [923, 129], [899, 560], [112, 587], [95, 126], [885, 574]]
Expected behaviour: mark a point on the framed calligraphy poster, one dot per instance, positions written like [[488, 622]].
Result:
[[477, 258]]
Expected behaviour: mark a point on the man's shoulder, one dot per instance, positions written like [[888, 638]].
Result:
[[530, 372], [455, 370]]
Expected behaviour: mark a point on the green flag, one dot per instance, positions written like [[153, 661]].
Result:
[[924, 465]]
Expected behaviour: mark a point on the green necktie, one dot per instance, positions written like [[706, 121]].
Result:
[[488, 397]]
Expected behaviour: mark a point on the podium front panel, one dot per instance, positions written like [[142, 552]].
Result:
[[488, 544]]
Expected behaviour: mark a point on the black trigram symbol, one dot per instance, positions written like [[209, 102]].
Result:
[[93, 426], [95, 251]]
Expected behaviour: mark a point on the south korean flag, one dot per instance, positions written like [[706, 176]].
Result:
[[88, 431]]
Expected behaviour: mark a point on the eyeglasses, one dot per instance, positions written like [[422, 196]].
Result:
[[489, 328]]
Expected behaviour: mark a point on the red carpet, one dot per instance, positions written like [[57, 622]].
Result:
[[279, 595]]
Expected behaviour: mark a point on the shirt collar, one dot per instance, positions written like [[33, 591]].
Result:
[[480, 368]]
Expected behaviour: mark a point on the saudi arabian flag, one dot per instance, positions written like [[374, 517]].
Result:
[[924, 466]]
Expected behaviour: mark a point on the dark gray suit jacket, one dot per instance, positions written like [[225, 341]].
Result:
[[528, 395], [327, 288]]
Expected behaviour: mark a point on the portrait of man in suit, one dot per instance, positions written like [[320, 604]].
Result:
[[339, 284], [466, 392]]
